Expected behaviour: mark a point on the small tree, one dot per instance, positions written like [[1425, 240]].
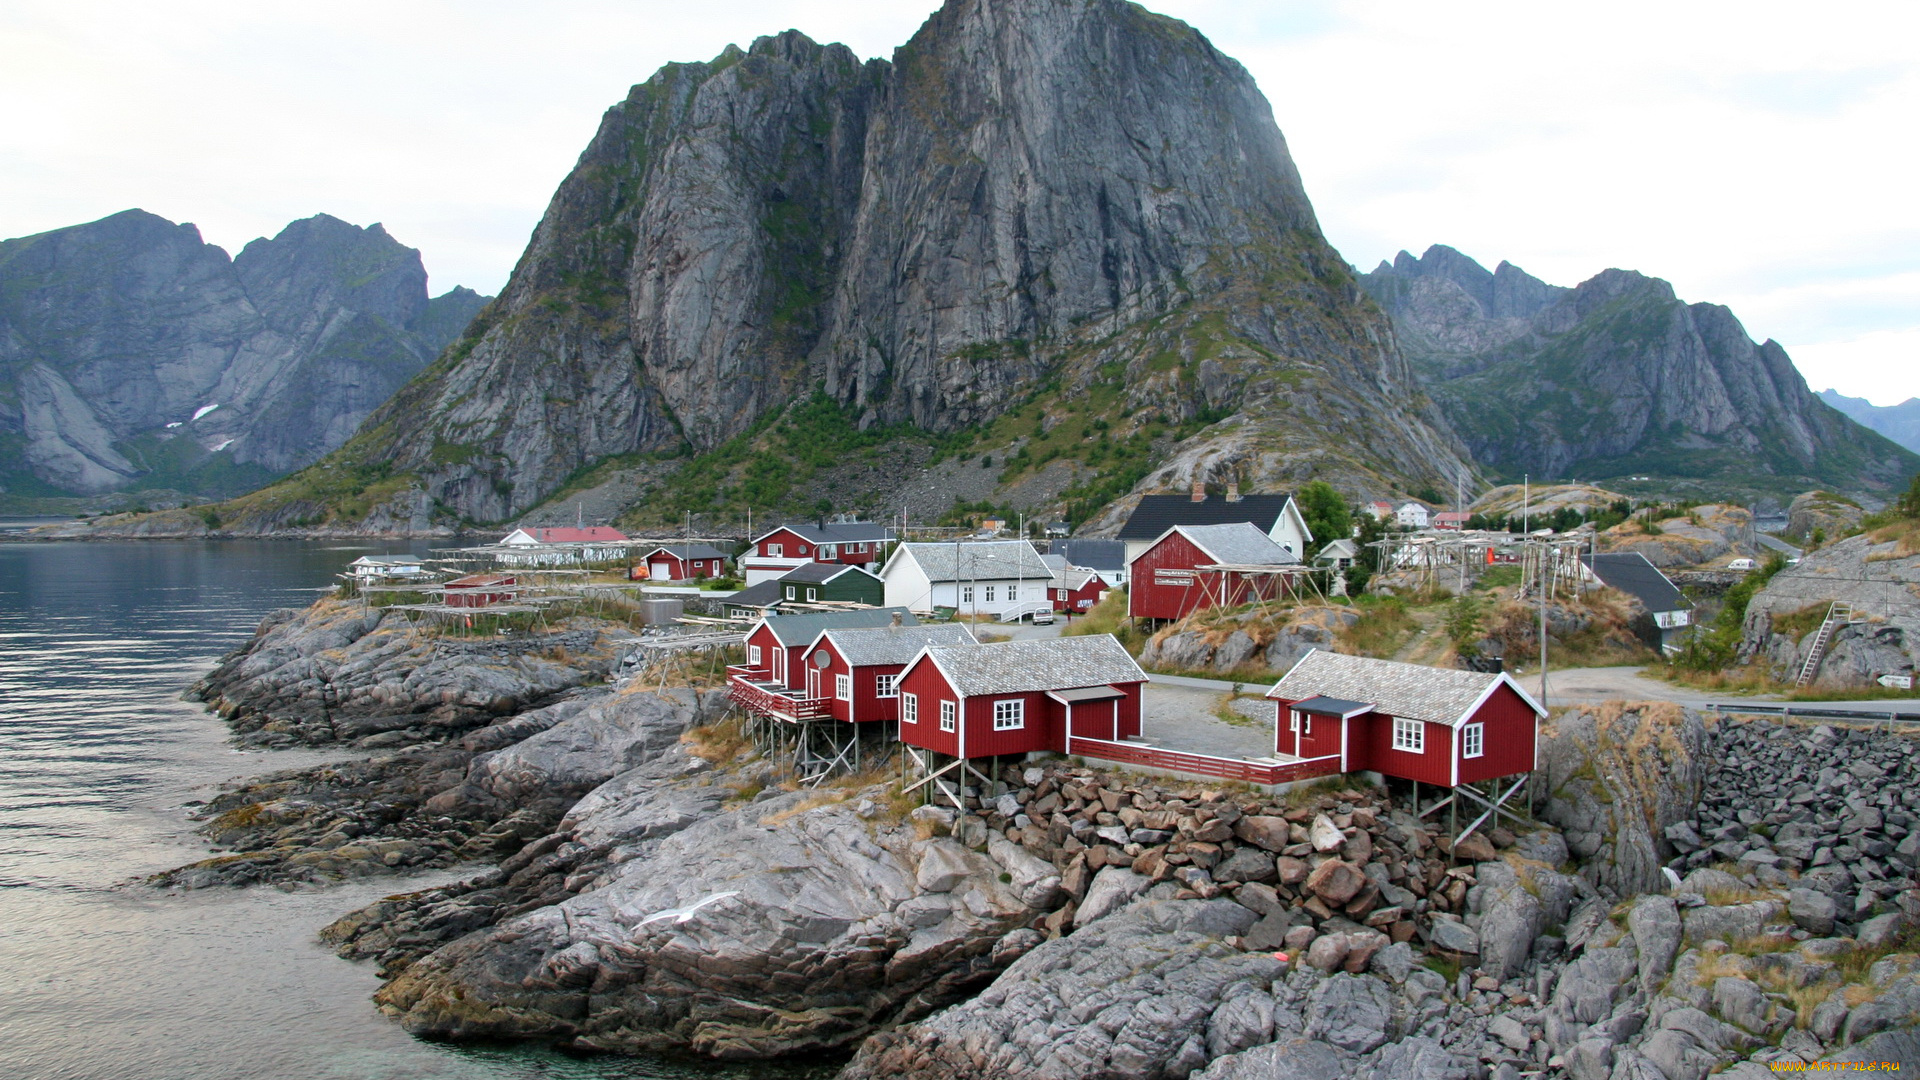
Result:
[[1909, 505], [1326, 514]]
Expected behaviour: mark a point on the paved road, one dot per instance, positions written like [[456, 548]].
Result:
[[1779, 545]]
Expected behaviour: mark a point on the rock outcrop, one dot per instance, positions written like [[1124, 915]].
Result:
[[1617, 376], [1083, 196], [132, 354], [1878, 574]]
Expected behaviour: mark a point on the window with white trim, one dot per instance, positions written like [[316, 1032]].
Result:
[[799, 549], [1062, 593], [843, 687], [909, 709], [826, 551], [1010, 715], [1409, 735], [1012, 593], [966, 594], [789, 592], [887, 686], [1473, 740], [773, 551], [949, 715], [990, 589], [1302, 723], [753, 656], [812, 593]]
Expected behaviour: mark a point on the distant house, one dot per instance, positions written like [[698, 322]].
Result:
[[1002, 578], [480, 590], [810, 584], [1076, 589], [1019, 697], [1058, 528], [1108, 558], [544, 546], [370, 567], [1191, 567], [1380, 510], [1435, 725], [1411, 515], [1631, 573], [1339, 554], [754, 601], [1451, 519], [854, 543], [1275, 515], [682, 562], [859, 670], [776, 647]]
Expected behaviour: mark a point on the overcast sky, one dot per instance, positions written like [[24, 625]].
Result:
[[1757, 155]]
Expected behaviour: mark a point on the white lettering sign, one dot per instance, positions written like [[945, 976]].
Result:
[[1897, 682]]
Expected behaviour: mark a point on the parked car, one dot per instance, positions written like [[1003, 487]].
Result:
[[1742, 564]]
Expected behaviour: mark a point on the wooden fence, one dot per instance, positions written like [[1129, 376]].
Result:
[[1252, 772]]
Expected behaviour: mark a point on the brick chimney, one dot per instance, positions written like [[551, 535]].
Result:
[[1199, 491], [1233, 491]]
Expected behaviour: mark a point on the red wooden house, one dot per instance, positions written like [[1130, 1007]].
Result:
[[1191, 567], [859, 670], [776, 680], [480, 590], [854, 543], [1435, 725], [681, 562], [1019, 697], [1076, 589]]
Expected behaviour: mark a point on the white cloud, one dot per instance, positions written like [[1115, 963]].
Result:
[[1757, 155]]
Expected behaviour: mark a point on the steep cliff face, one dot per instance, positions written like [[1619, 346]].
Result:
[[134, 354], [1032, 196], [1618, 376]]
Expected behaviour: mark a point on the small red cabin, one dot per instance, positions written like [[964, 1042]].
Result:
[[1435, 725], [1019, 697], [480, 590], [859, 670], [1191, 567], [1077, 589], [681, 562]]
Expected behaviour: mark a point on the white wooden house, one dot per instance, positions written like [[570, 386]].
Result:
[[1003, 578]]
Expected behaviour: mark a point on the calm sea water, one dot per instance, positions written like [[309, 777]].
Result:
[[101, 977]]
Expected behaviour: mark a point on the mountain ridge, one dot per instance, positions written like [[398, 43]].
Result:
[[1901, 422]]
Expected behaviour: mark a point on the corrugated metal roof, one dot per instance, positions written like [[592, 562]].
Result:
[[979, 560], [795, 630], [1158, 513], [1631, 573], [1439, 695], [1238, 544], [1015, 667], [888, 645]]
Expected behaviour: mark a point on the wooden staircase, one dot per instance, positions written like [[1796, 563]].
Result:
[[1838, 615]]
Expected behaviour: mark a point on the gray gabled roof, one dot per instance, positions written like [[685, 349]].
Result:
[[802, 629], [764, 595], [819, 573], [894, 645], [1631, 573], [690, 551], [842, 532], [978, 560], [1440, 695], [1015, 667], [1237, 544]]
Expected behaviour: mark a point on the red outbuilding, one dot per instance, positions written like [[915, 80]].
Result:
[[681, 562], [1019, 697], [1076, 589], [1192, 567], [480, 590], [1434, 725], [858, 671]]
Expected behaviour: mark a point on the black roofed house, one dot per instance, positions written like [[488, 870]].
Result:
[[1108, 558], [1276, 515], [813, 583], [1631, 573], [682, 562]]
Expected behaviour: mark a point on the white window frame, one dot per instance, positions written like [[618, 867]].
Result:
[[1062, 593], [799, 549], [1473, 740], [949, 715], [990, 589], [886, 686], [826, 551], [1009, 714], [1409, 735], [843, 687], [1302, 723], [966, 594], [773, 551], [909, 708], [790, 589], [753, 656], [812, 593], [1012, 593]]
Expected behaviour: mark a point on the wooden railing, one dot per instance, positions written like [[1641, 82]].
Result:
[[772, 703], [1252, 772]]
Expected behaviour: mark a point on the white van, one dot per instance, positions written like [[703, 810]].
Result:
[[1742, 564]]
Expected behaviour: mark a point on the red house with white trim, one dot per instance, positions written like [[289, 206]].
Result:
[[1019, 697], [1435, 725], [1191, 567], [854, 543], [1076, 589], [776, 679], [860, 669], [681, 562]]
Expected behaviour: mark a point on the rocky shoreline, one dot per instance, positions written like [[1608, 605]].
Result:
[[1701, 893]]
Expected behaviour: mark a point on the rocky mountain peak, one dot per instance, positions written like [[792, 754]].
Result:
[[322, 260]]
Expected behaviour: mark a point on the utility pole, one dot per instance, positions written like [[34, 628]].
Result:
[[1544, 579], [1526, 500]]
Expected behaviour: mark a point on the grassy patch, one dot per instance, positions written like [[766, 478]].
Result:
[[1385, 624]]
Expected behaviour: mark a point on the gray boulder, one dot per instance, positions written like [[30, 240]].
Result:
[[1113, 887], [1294, 1059], [1353, 1012]]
